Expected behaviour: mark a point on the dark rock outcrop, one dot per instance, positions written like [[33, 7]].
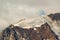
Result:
[[55, 16], [40, 33]]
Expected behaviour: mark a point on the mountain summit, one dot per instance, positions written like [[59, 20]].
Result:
[[41, 28]]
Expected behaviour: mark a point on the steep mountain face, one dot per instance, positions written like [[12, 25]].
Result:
[[38, 33], [55, 22], [42, 32]]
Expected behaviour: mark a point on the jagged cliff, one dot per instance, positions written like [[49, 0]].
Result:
[[37, 33]]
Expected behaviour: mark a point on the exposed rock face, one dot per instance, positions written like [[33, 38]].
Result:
[[38, 33], [44, 32], [56, 22], [55, 16]]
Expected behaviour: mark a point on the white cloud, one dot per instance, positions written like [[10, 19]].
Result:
[[11, 13]]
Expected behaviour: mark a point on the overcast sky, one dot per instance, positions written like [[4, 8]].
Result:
[[13, 10]]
